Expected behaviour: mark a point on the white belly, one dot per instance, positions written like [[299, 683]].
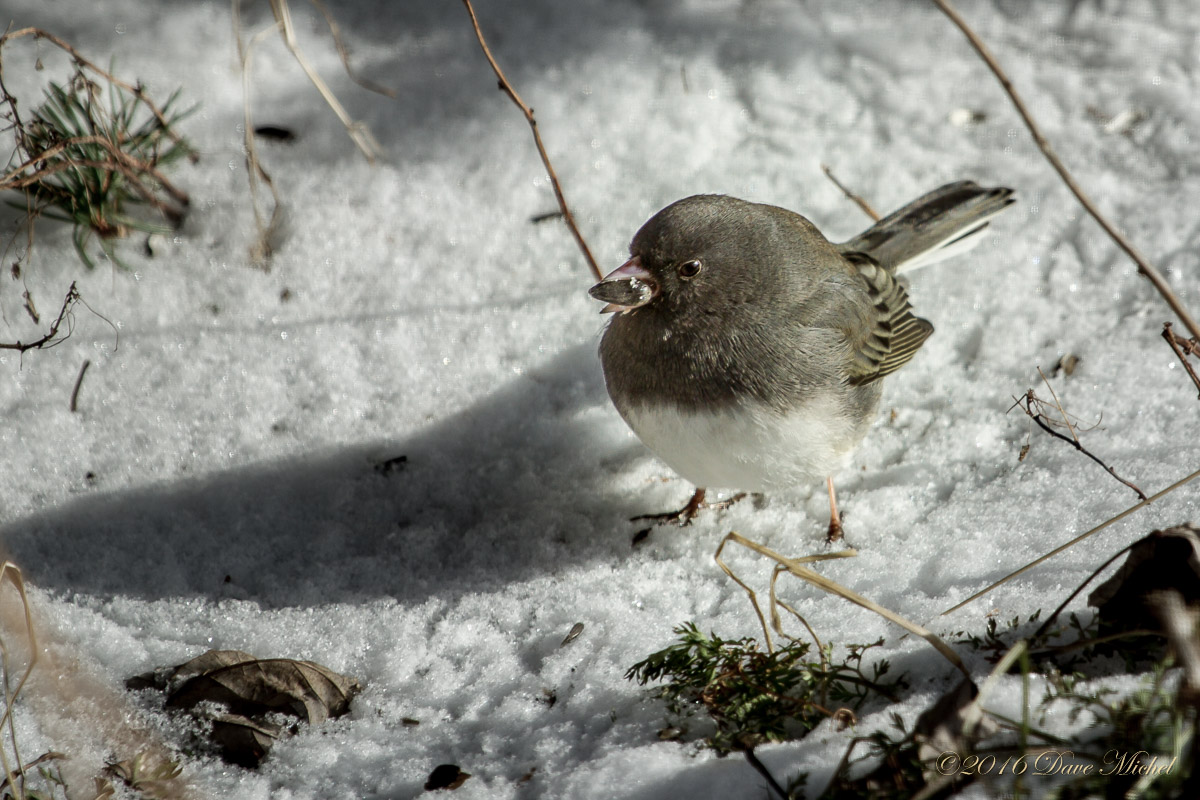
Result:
[[750, 448]]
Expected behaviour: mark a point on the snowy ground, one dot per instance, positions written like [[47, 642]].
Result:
[[230, 432]]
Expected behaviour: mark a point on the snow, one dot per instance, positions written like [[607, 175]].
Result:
[[232, 432]]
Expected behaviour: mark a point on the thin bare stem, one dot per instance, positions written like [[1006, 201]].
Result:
[[1147, 269], [1179, 345], [260, 252], [746, 588], [508, 89], [1075, 541], [857, 199]]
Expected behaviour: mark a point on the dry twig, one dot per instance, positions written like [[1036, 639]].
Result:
[[762, 770], [508, 89], [358, 132], [857, 199], [1144, 266]]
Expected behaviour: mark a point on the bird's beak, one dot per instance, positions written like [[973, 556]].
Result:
[[627, 287]]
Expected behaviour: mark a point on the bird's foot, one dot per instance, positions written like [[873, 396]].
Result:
[[721, 505], [835, 532], [684, 516]]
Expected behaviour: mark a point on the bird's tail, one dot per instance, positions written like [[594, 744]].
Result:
[[935, 226]]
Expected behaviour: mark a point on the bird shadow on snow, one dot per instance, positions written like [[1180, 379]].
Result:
[[516, 486]]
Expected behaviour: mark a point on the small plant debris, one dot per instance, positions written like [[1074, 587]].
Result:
[[387, 466], [446, 776]]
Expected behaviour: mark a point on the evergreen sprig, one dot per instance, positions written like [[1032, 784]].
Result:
[[754, 696]]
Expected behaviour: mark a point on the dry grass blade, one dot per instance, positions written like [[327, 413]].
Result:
[[508, 89], [1148, 270], [1074, 541], [344, 53], [12, 573], [775, 621], [267, 231], [358, 132], [796, 567]]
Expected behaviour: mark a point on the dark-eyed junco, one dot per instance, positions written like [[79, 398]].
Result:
[[747, 350]]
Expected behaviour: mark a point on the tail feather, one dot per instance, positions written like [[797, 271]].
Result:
[[944, 223]]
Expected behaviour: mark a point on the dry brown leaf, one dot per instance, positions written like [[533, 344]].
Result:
[[242, 740], [249, 689], [1166, 560], [258, 686]]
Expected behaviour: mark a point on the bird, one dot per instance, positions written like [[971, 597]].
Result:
[[748, 352]]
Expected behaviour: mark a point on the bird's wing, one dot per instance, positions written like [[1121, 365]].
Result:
[[893, 334]]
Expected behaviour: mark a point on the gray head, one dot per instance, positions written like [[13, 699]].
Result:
[[715, 305], [708, 254]]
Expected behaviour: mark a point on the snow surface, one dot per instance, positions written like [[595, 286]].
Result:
[[233, 432]]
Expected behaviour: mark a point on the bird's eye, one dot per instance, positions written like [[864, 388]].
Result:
[[690, 269]]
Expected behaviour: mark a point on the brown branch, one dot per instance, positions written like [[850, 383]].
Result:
[[858, 200], [1183, 348], [49, 340], [1148, 270], [508, 89], [1026, 404]]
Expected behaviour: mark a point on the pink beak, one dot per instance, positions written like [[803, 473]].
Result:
[[627, 287]]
